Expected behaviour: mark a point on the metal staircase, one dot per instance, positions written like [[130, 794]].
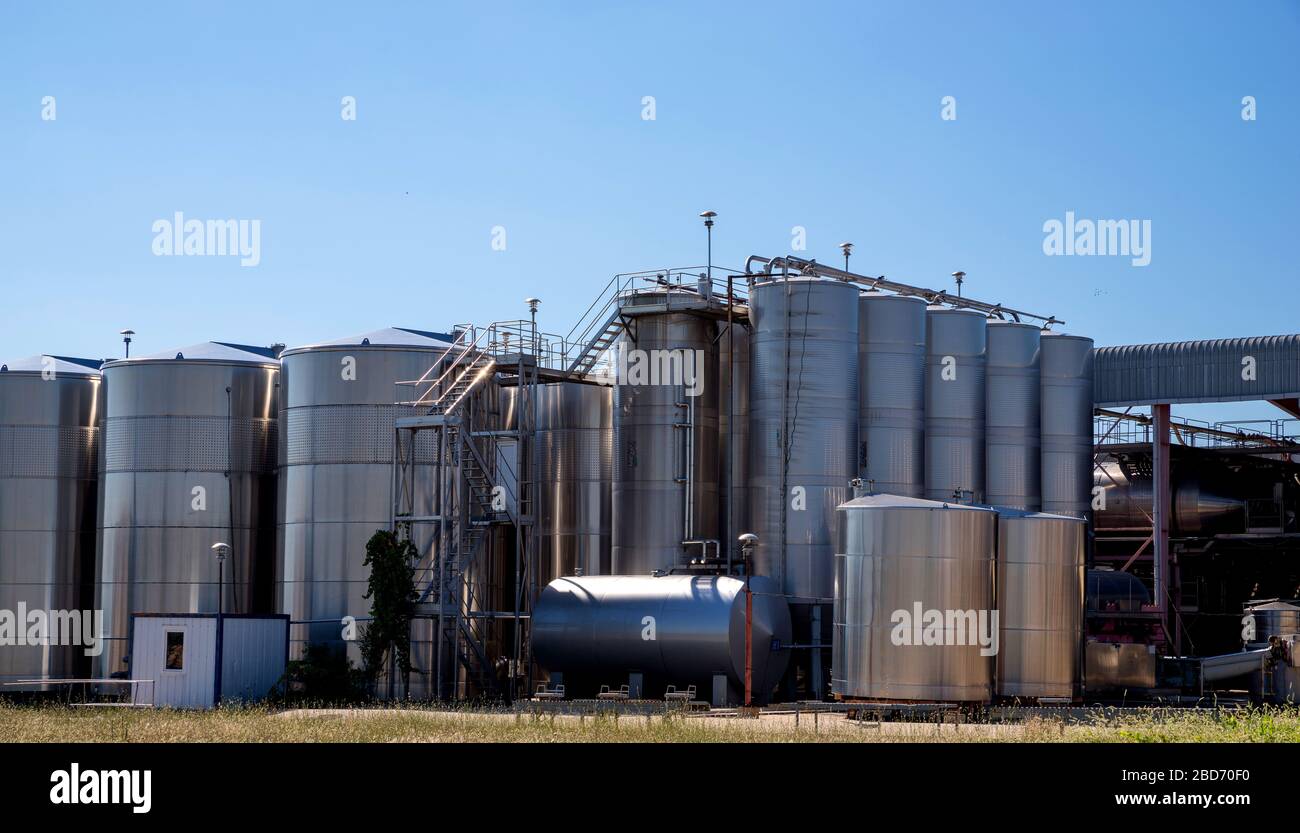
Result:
[[456, 492], [451, 409]]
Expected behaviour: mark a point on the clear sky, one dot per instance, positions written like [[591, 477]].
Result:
[[529, 116]]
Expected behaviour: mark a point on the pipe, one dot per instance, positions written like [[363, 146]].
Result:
[[812, 267], [1227, 666]]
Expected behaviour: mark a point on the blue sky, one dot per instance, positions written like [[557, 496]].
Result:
[[528, 116]]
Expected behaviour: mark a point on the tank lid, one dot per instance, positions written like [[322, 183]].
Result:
[[61, 365], [880, 500], [1274, 605], [1012, 512], [387, 337], [221, 352], [1054, 334], [939, 309]]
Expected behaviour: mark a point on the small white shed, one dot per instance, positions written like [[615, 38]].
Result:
[[179, 653]]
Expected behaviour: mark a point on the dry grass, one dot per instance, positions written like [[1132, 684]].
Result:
[[245, 725]]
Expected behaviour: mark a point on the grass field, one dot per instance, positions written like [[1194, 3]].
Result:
[[70, 724]]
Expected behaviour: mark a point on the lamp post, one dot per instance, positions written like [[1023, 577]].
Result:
[[847, 248], [708, 228], [126, 339], [220, 550], [960, 277], [532, 311]]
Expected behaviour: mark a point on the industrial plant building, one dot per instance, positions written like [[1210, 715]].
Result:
[[789, 482]]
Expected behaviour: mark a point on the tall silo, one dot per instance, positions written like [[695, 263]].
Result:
[[575, 453], [733, 433], [1011, 425], [891, 393], [189, 451], [1066, 413], [665, 438], [955, 345], [803, 426], [336, 480], [50, 410]]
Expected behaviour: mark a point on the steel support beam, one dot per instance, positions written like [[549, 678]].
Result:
[[1161, 505]]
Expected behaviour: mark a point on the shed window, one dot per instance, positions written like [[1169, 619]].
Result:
[[175, 659]]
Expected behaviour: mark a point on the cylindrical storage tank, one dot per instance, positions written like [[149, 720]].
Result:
[[675, 629], [1066, 418], [1274, 619], [803, 425], [575, 440], [665, 441], [891, 393], [733, 434], [189, 454], [336, 480], [1040, 581], [50, 410], [1012, 460], [955, 348], [1197, 508], [914, 600]]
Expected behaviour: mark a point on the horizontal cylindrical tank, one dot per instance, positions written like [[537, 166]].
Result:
[[955, 351], [1065, 363], [1125, 505], [1040, 582], [914, 600], [665, 441], [676, 629], [189, 457], [891, 393], [575, 440], [336, 481], [1116, 591], [1012, 460], [803, 427], [50, 409]]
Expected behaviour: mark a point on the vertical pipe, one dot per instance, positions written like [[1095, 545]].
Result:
[[749, 642], [1161, 506]]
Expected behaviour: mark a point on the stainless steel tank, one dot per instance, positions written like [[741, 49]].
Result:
[[891, 393], [914, 600], [1274, 619], [189, 454], [665, 441], [803, 425], [575, 439], [676, 629], [336, 481], [733, 379], [1126, 504], [1066, 419], [955, 348], [1040, 582], [50, 410], [1012, 454]]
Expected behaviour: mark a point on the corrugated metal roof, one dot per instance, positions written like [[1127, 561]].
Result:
[[1198, 371], [61, 365]]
